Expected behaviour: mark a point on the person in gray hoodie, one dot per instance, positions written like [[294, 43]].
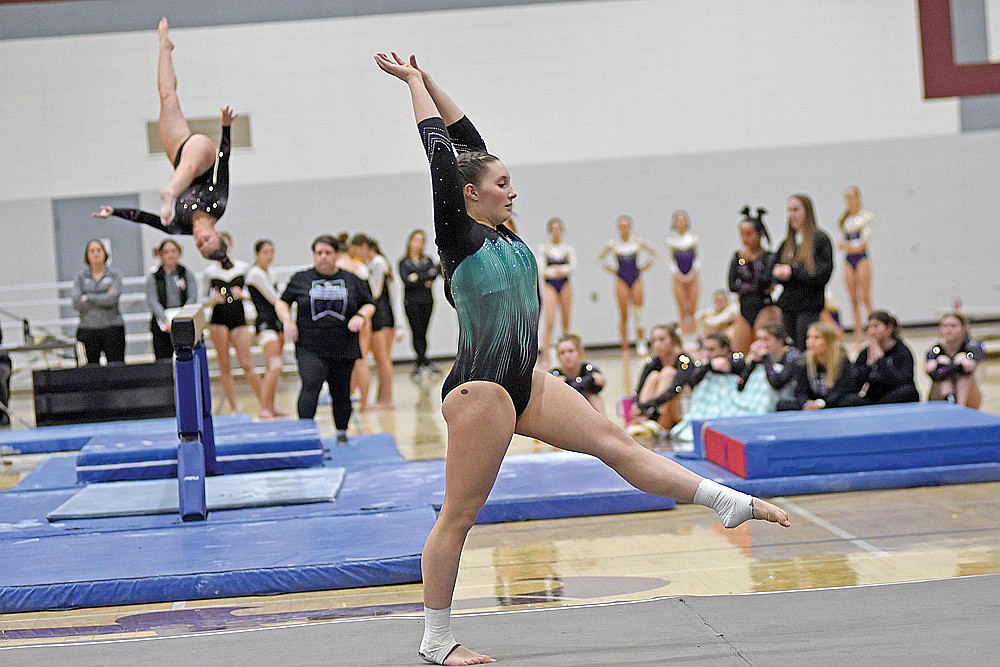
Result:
[[96, 291]]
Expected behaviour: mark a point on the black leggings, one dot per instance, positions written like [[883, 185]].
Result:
[[314, 370], [5, 371], [110, 341], [418, 314], [797, 324], [163, 347]]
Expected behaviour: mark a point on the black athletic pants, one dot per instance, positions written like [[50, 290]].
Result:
[[797, 324], [418, 314], [5, 370], [110, 341], [163, 348], [314, 370]]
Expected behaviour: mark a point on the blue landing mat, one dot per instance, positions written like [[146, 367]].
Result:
[[805, 418], [224, 492], [362, 450], [71, 437], [800, 485], [212, 560], [900, 437], [530, 486], [59, 472], [247, 447], [56, 472]]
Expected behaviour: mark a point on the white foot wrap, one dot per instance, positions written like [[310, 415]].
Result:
[[733, 507], [438, 642]]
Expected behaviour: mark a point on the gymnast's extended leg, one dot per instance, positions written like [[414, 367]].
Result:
[[199, 151], [558, 415]]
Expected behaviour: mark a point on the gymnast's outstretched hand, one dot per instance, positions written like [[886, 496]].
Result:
[[226, 116], [399, 68], [103, 212]]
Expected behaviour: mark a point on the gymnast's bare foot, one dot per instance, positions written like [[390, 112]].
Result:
[[167, 202], [162, 30], [765, 511], [464, 656]]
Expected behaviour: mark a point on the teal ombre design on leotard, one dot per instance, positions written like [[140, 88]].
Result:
[[490, 275], [495, 291]]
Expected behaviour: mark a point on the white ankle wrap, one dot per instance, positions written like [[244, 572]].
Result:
[[733, 506], [438, 642]]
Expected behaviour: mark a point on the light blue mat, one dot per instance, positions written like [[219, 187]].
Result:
[[224, 492]]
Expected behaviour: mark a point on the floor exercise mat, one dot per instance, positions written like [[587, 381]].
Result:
[[273, 445], [72, 437], [529, 486], [205, 560], [222, 492]]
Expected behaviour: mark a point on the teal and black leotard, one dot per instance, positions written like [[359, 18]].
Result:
[[206, 194], [490, 275]]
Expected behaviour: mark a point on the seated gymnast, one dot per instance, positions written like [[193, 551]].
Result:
[[494, 391], [195, 198], [822, 376], [952, 363], [715, 356], [883, 370], [663, 378], [582, 375], [772, 349]]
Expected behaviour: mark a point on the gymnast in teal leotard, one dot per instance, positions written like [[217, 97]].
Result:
[[490, 274], [493, 391]]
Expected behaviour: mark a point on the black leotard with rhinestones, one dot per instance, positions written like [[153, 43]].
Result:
[[205, 194], [490, 275]]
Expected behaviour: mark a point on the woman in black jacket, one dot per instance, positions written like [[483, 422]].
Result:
[[805, 264], [883, 371], [823, 374], [418, 272]]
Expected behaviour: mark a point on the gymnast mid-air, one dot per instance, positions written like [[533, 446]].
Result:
[[195, 198]]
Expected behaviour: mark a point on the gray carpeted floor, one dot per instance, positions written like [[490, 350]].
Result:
[[952, 622]]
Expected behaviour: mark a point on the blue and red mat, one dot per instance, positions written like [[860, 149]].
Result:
[[371, 533]]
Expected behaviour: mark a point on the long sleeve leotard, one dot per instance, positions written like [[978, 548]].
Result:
[[204, 194], [491, 277]]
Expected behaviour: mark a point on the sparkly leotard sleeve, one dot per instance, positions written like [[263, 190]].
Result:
[[491, 277], [205, 194]]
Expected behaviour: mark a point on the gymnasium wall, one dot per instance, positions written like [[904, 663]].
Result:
[[597, 108]]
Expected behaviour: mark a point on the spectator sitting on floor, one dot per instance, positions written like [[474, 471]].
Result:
[[715, 390], [663, 379], [773, 352], [582, 375], [883, 371], [952, 363], [823, 374]]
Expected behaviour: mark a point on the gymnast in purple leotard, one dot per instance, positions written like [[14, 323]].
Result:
[[628, 267], [856, 227], [686, 269], [196, 196], [556, 262]]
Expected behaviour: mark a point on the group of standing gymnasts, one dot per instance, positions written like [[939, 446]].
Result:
[[491, 278], [802, 265]]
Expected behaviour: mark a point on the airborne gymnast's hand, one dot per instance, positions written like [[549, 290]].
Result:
[[226, 116], [401, 69]]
